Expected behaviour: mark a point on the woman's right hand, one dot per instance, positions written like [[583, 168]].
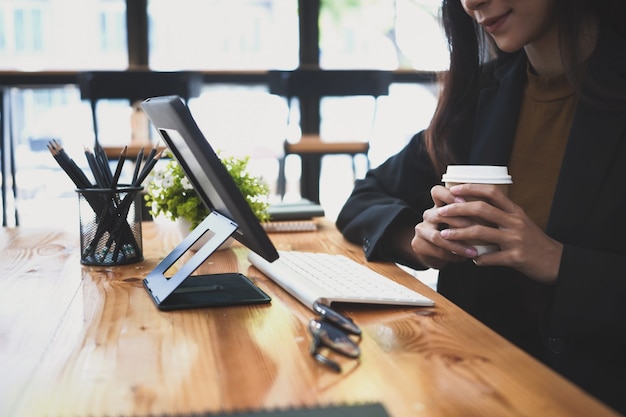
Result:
[[430, 249]]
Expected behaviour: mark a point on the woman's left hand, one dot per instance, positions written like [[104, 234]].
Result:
[[523, 245]]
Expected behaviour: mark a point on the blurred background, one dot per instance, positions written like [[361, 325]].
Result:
[[233, 44]]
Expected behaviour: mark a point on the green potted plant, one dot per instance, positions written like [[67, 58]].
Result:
[[170, 193]]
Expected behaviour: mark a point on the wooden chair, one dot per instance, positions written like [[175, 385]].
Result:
[[135, 85], [313, 85]]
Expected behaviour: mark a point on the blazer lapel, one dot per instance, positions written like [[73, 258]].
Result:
[[593, 142], [594, 139], [497, 113]]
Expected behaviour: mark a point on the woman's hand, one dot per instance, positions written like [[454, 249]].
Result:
[[523, 245], [429, 247]]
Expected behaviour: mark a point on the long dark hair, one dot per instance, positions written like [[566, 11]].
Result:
[[470, 49]]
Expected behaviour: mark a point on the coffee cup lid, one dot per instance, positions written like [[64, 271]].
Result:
[[477, 174]]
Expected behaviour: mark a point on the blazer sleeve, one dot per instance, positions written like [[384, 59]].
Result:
[[395, 194]]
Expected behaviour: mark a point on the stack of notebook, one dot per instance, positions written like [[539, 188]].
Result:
[[298, 216]]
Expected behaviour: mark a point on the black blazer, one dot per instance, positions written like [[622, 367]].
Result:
[[577, 326]]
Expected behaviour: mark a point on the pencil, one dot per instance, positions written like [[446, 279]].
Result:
[[95, 168], [103, 161], [146, 169], [150, 156], [152, 152], [64, 166], [68, 165], [118, 169], [137, 165]]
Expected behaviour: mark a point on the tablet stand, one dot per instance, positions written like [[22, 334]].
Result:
[[183, 290]]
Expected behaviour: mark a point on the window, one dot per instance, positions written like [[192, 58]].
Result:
[[223, 34], [382, 34], [38, 35]]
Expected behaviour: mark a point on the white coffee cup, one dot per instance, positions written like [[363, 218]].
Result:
[[478, 174]]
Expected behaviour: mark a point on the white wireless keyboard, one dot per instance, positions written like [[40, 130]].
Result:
[[328, 278]]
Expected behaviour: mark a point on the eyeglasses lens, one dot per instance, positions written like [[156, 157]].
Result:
[[333, 338], [337, 319], [332, 330]]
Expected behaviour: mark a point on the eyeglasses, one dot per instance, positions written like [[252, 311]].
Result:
[[333, 331]]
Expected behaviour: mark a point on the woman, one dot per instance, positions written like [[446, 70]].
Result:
[[539, 86]]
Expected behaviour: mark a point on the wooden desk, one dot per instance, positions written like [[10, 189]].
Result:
[[87, 341]]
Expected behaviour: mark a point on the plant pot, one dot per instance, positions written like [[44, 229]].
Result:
[[184, 226]]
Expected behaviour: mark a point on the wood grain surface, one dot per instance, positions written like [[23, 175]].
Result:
[[88, 341]]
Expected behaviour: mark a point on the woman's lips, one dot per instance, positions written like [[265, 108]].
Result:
[[493, 24]]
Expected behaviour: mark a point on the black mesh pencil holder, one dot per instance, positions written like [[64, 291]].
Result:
[[110, 225]]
